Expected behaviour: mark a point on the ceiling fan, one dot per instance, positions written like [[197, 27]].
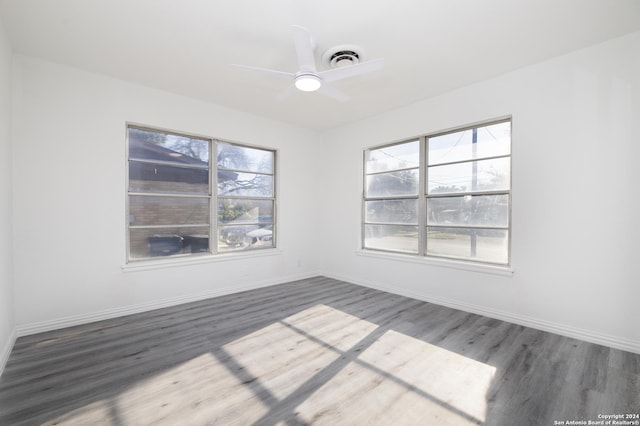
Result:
[[345, 61]]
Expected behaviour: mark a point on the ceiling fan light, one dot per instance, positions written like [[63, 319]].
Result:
[[308, 82]]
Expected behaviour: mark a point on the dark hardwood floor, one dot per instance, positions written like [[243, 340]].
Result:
[[316, 351]]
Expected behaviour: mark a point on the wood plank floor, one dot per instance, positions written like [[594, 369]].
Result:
[[317, 351]]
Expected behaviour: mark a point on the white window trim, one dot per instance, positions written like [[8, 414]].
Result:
[[442, 262], [171, 262]]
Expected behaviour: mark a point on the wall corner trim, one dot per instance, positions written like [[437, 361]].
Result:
[[6, 350]]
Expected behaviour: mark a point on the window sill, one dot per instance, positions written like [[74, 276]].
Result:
[[443, 263], [145, 265]]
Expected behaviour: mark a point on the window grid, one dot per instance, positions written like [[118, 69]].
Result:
[[228, 232], [162, 201], [394, 221], [446, 238]]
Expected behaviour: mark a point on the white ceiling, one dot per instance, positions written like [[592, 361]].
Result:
[[429, 46]]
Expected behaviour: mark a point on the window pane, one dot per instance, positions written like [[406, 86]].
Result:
[[160, 178], [245, 159], [401, 156], [244, 237], [149, 210], [145, 243], [402, 238], [392, 211], [491, 141], [476, 210], [404, 182], [483, 175], [245, 211], [165, 147], [490, 245], [245, 184]]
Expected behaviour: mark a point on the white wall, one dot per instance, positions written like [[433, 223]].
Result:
[[575, 241], [69, 184], [6, 258]]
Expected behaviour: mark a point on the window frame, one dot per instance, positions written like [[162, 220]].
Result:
[[416, 197], [218, 197], [424, 197], [213, 251]]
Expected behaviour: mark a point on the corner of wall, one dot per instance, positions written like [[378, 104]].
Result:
[[6, 351], [7, 315]]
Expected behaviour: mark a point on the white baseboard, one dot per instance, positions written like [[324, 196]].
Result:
[[70, 321], [562, 329], [556, 328], [6, 351]]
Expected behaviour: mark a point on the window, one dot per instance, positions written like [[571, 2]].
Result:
[[246, 197], [444, 195], [172, 210], [391, 197]]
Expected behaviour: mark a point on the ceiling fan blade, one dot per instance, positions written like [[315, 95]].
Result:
[[286, 93], [304, 48], [334, 93], [280, 74], [351, 70]]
